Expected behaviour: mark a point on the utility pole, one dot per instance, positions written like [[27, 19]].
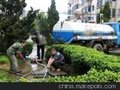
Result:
[[101, 18], [115, 10]]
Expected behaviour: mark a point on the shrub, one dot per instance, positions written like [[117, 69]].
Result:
[[76, 55], [92, 76]]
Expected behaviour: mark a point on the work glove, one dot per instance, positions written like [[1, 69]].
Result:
[[20, 56]]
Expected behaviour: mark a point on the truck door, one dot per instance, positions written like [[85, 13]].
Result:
[[116, 28], [118, 41]]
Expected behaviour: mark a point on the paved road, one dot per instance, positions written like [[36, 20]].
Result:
[[33, 54], [115, 51]]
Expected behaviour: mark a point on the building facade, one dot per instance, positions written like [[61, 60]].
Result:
[[115, 10], [90, 9], [87, 9], [72, 6]]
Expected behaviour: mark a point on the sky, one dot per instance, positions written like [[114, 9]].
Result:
[[61, 5]]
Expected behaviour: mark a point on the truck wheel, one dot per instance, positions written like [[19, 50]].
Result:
[[106, 49], [98, 47]]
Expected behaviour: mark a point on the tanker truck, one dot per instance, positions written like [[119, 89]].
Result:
[[98, 36]]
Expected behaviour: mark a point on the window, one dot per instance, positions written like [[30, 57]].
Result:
[[113, 12], [89, 8], [69, 11], [77, 6], [89, 18], [86, 18], [92, 18], [69, 4], [85, 9], [99, 3], [93, 8]]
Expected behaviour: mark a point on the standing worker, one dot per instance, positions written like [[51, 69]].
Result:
[[12, 51], [41, 41]]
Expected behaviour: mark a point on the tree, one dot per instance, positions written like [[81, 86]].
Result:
[[119, 21], [106, 11], [45, 23], [53, 17], [27, 22], [12, 27], [42, 24], [11, 10]]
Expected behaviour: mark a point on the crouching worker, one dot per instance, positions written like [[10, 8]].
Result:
[[13, 51], [56, 60]]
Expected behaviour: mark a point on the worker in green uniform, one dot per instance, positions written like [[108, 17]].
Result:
[[13, 51]]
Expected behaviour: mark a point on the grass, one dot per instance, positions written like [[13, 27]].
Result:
[[3, 59], [4, 77], [7, 77]]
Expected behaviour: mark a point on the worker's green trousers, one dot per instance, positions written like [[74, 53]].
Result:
[[13, 62]]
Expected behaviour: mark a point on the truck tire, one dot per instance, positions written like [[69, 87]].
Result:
[[98, 47], [106, 49]]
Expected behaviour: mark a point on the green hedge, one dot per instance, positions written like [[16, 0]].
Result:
[[92, 76], [76, 55]]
